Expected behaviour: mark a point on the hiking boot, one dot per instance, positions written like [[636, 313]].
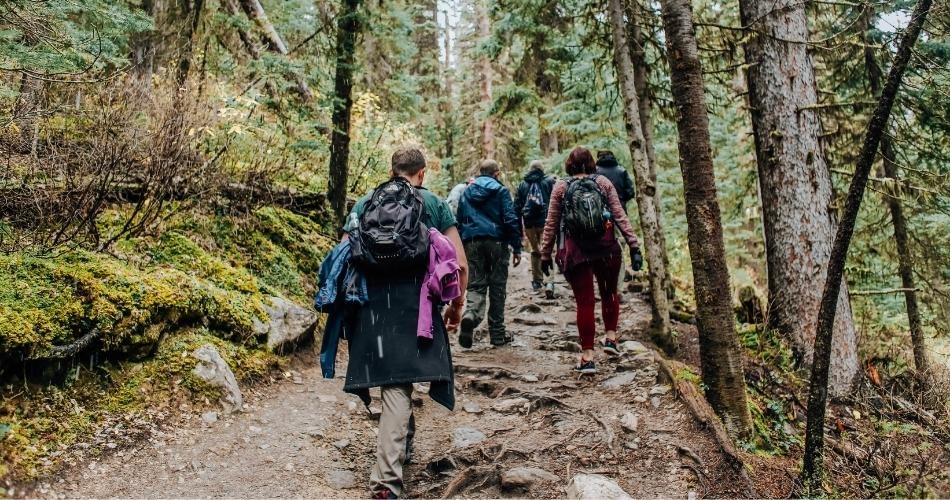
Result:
[[466, 332], [549, 291], [384, 493], [506, 340], [536, 285], [586, 367], [611, 347]]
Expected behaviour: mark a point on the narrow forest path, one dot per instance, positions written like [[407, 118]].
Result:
[[518, 406]]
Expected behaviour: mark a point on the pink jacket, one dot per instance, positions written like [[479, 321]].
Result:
[[441, 283], [553, 222]]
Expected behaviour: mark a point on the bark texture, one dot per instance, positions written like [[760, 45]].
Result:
[[813, 463], [192, 13], [641, 78], [485, 83], [649, 222], [719, 351], [348, 26], [905, 259], [795, 182]]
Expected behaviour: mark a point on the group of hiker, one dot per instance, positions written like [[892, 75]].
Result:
[[411, 268]]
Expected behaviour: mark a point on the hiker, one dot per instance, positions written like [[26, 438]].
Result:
[[404, 241], [531, 204], [456, 194], [488, 226], [608, 166], [584, 210]]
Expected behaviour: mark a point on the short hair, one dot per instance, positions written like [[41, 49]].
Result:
[[408, 160], [605, 152], [537, 165], [489, 167], [580, 161]]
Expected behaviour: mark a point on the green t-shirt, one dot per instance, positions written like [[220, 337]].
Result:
[[438, 213]]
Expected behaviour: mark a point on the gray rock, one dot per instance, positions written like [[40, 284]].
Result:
[[594, 487], [629, 422], [527, 319], [524, 477], [618, 381], [472, 407], [340, 479], [531, 378], [466, 436], [286, 323], [511, 405], [633, 346], [214, 370], [343, 443], [659, 390], [656, 401], [209, 417]]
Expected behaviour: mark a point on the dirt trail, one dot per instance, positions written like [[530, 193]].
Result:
[[305, 437]]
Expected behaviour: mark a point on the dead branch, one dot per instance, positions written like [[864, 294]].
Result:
[[66, 351]]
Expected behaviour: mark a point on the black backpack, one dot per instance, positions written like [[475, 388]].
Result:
[[585, 210], [391, 235]]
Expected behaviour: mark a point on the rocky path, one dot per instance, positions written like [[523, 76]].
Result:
[[524, 426]]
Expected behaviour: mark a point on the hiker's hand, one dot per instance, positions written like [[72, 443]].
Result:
[[453, 314], [636, 258], [546, 265], [515, 259]]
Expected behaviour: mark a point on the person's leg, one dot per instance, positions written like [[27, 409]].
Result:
[[498, 283], [534, 242], [606, 272], [582, 283], [391, 441], [478, 267]]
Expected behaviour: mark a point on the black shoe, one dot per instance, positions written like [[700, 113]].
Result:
[[536, 285], [467, 331], [549, 291], [611, 347], [506, 340], [586, 367]]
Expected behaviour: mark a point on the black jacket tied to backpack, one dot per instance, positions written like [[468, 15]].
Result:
[[532, 216], [608, 167], [485, 211]]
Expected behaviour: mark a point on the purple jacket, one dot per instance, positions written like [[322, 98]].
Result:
[[441, 283]]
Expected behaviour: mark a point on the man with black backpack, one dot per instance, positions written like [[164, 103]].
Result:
[[488, 225], [531, 203], [608, 167], [390, 231]]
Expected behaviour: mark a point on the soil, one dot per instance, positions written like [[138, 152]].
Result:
[[304, 437]]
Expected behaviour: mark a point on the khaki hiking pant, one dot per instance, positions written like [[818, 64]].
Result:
[[395, 427], [534, 235]]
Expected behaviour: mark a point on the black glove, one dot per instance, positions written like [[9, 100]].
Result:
[[636, 258], [546, 266]]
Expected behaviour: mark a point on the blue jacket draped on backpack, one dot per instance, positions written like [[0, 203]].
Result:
[[341, 288], [486, 211]]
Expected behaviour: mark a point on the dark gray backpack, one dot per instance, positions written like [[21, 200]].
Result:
[[585, 210], [391, 234]]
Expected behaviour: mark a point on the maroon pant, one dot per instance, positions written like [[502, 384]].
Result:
[[581, 278]]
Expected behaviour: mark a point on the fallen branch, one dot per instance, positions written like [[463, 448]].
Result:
[[67, 351]]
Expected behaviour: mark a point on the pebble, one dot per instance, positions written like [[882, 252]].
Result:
[[343, 443], [529, 378], [655, 401], [466, 436], [472, 407], [340, 479], [629, 422], [524, 477], [209, 417]]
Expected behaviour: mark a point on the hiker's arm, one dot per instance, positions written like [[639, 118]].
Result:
[[554, 217], [512, 222], [616, 210], [519, 198], [453, 314]]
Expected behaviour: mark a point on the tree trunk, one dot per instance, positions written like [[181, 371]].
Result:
[[488, 126], [143, 47], [193, 19], [719, 351], [255, 11], [348, 26], [26, 112], [641, 78], [905, 259], [794, 180], [649, 222], [448, 97], [813, 464]]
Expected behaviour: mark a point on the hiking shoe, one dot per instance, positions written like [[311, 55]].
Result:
[[611, 347], [506, 340], [467, 331], [586, 367], [549, 291], [536, 285], [384, 493]]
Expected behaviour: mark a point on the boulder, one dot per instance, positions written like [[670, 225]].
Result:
[[620, 380], [524, 477], [287, 324], [466, 436], [215, 371], [594, 487]]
